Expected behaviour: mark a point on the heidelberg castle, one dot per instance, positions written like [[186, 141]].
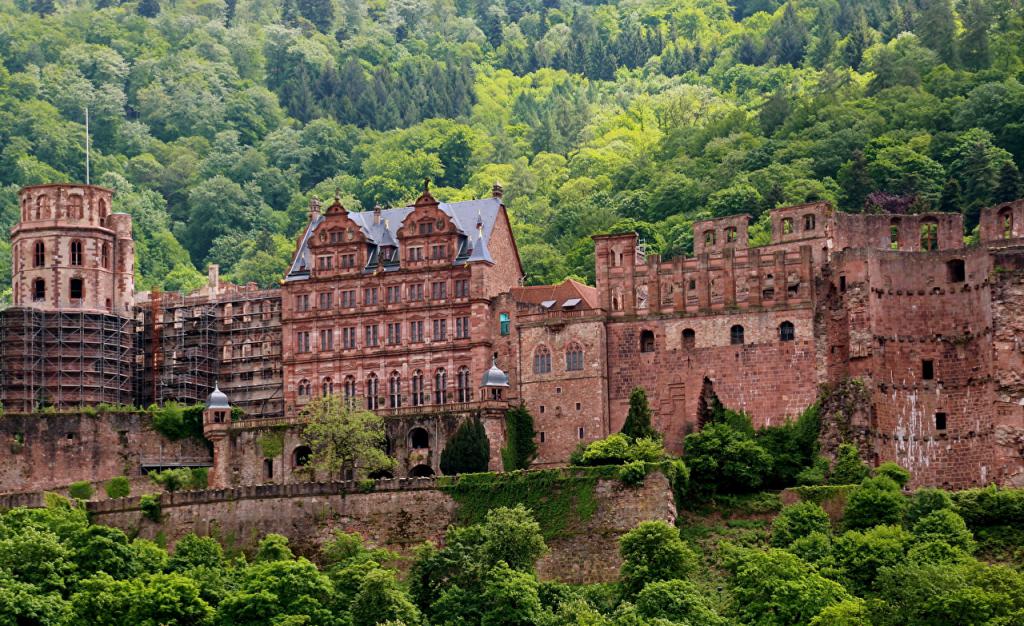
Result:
[[405, 311]]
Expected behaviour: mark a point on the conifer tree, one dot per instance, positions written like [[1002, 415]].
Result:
[[148, 8], [43, 7], [936, 27], [638, 420], [468, 450], [520, 447], [319, 12]]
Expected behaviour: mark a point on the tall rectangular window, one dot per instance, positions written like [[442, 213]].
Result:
[[348, 298], [415, 292], [302, 302], [77, 289], [372, 338], [302, 341], [416, 331], [462, 288], [438, 290], [323, 262], [326, 340], [462, 328], [440, 330], [394, 294], [325, 300], [927, 369], [394, 333], [370, 296], [505, 323], [348, 337]]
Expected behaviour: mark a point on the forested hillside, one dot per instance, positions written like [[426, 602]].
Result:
[[216, 120]]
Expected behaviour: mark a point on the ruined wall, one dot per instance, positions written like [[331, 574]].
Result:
[[51, 451], [398, 515]]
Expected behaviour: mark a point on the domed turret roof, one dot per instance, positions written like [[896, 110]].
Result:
[[217, 400], [494, 377]]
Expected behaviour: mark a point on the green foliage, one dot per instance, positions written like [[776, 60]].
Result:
[[344, 439], [149, 503], [81, 490], [638, 419], [722, 458], [380, 599], [193, 551], [274, 547], [181, 478], [799, 520], [926, 501], [848, 468], [633, 473], [468, 450], [893, 471], [878, 501], [618, 449], [989, 506], [175, 421], [520, 445], [677, 601], [860, 555], [651, 552], [118, 487], [271, 444], [945, 525], [793, 446]]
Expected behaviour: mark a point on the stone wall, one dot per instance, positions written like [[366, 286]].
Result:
[[50, 451], [398, 514]]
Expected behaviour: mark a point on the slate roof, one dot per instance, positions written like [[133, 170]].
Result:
[[465, 215], [561, 293]]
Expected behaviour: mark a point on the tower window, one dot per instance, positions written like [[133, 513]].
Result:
[[76, 252], [268, 468], [38, 289], [39, 258], [940, 421], [689, 338], [736, 335], [957, 272], [928, 369], [647, 341], [787, 332], [76, 289]]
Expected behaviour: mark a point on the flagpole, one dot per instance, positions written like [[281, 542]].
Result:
[[86, 145]]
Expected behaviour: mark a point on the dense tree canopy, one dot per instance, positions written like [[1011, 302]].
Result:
[[215, 121]]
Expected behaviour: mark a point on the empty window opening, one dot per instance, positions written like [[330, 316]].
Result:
[[541, 433], [842, 284], [542, 408], [809, 221], [736, 335], [787, 332], [646, 341], [76, 289], [692, 285], [768, 294], [957, 272], [787, 226], [421, 471], [419, 439], [70, 436], [894, 234], [578, 406], [1006, 221], [268, 468], [580, 432], [38, 289], [731, 234], [689, 338], [940, 421], [929, 235], [928, 369], [301, 456], [709, 238]]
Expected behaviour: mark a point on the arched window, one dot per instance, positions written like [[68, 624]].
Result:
[[300, 456], [349, 389], [39, 259], [689, 338], [646, 341], [787, 332], [418, 397], [736, 335], [573, 358], [929, 235], [1006, 222], [419, 439], [38, 289], [894, 234], [76, 252], [327, 387], [395, 390], [75, 207], [462, 389], [42, 208], [305, 389], [809, 221], [440, 386], [541, 360], [372, 392]]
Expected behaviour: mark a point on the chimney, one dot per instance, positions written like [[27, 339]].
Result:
[[213, 277], [314, 208], [497, 191], [376, 213]]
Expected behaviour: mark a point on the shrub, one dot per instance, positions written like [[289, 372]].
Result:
[[816, 474], [651, 552], [799, 520], [381, 599], [878, 501], [468, 450], [723, 459], [815, 548], [175, 421], [638, 419], [848, 469], [678, 601], [925, 501], [80, 490], [860, 555], [945, 525], [852, 612], [150, 505], [273, 547], [172, 479], [793, 447], [520, 448], [892, 470], [633, 473], [513, 535], [118, 487], [193, 551], [990, 506]]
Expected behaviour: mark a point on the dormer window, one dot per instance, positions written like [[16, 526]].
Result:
[[426, 228]]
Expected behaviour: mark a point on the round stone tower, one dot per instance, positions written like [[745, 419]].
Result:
[[71, 253]]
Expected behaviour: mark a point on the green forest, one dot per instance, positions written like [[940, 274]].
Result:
[[216, 120]]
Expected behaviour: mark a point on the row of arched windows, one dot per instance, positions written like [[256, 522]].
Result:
[[737, 336], [418, 396], [74, 254], [75, 208], [573, 359]]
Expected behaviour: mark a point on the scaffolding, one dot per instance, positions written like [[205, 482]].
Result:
[[66, 359], [181, 336]]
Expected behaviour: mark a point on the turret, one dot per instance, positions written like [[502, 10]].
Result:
[[216, 424]]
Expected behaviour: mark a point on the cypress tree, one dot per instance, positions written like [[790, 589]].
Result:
[[468, 450], [520, 448], [638, 420]]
